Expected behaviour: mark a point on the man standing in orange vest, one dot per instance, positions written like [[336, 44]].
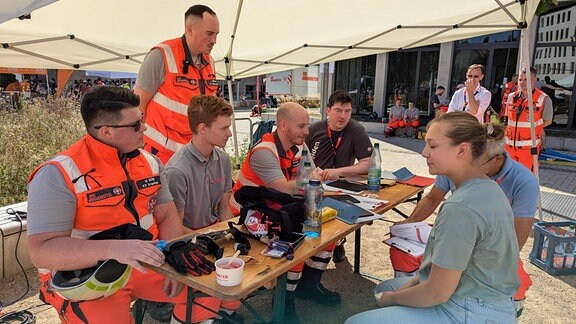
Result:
[[273, 163], [173, 72], [509, 88], [518, 138]]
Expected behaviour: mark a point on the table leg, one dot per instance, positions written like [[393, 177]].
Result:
[[279, 299], [189, 302], [357, 239]]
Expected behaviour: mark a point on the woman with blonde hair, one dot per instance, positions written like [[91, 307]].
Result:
[[469, 271]]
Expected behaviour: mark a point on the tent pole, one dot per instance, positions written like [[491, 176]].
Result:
[[231, 100], [525, 59], [234, 133]]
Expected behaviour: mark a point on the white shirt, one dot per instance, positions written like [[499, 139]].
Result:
[[460, 101]]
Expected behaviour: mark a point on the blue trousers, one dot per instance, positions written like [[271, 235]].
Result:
[[455, 310]]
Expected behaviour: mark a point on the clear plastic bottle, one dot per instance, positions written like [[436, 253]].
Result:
[[375, 169], [558, 260], [303, 159], [544, 251], [312, 226], [303, 177], [570, 249]]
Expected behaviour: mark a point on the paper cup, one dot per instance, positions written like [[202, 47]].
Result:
[[233, 275]]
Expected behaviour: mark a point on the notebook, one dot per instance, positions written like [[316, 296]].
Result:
[[348, 212], [405, 176]]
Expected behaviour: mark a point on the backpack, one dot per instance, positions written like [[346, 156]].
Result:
[[268, 213]]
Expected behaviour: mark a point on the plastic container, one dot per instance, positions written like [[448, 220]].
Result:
[[551, 242], [375, 169], [312, 226], [303, 177], [230, 276]]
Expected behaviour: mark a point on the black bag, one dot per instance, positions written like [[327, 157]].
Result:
[[268, 213]]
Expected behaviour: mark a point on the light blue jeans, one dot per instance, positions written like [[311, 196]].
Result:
[[455, 310]]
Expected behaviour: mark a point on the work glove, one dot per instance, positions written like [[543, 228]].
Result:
[[186, 258]]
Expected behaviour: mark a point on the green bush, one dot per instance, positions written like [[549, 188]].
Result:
[[31, 136]]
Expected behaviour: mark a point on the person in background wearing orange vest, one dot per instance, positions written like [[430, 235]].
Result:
[[517, 183], [102, 181], [173, 72], [509, 88], [273, 163], [518, 138]]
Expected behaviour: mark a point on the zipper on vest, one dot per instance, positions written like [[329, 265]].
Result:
[[130, 191]]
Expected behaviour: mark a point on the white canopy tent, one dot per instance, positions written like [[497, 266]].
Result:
[[256, 36]]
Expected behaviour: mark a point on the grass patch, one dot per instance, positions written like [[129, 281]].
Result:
[[31, 136]]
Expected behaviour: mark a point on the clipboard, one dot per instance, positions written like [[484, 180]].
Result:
[[411, 247]]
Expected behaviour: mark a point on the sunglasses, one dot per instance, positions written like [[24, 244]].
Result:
[[137, 125], [473, 76]]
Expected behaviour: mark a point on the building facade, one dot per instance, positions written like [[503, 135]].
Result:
[[412, 75]]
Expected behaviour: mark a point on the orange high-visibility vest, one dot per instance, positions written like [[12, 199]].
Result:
[[108, 195], [166, 114], [288, 161], [518, 129], [510, 87]]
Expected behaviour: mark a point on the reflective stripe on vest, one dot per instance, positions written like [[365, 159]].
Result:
[[170, 104], [527, 144], [527, 124], [170, 61], [162, 140], [72, 171]]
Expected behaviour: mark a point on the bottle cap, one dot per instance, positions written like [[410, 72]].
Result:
[[314, 182], [376, 145]]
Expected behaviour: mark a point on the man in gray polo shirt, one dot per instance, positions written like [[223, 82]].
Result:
[[199, 174]]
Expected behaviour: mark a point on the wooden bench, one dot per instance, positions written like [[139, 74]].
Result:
[[12, 236]]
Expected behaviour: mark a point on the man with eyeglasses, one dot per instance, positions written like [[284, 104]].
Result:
[[273, 163], [173, 72], [339, 146], [102, 181], [472, 98], [516, 181]]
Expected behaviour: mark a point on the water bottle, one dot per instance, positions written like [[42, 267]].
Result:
[[558, 259], [375, 169], [313, 202], [544, 251], [570, 249], [303, 177]]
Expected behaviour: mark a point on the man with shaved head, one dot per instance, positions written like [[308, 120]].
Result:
[[273, 163]]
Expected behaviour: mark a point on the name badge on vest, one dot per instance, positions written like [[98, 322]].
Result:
[[104, 194], [184, 79], [148, 182]]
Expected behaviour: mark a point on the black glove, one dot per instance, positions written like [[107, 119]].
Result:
[[186, 258]]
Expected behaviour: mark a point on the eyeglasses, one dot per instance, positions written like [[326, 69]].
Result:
[[490, 159], [473, 76], [137, 125]]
